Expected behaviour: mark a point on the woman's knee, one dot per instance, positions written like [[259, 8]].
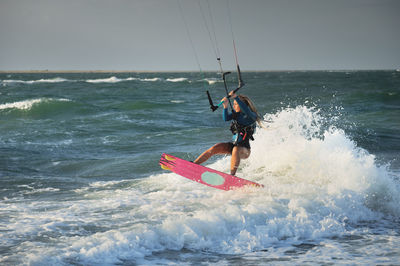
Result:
[[220, 148], [244, 153]]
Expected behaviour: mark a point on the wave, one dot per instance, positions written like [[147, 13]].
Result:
[[116, 80], [319, 186], [176, 79], [324, 160], [53, 80], [28, 104], [106, 80], [42, 108], [212, 81], [112, 79], [149, 79], [21, 105]]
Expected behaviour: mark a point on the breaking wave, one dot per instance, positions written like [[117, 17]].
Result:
[[112, 79], [116, 80], [28, 104], [176, 79], [53, 80], [318, 185]]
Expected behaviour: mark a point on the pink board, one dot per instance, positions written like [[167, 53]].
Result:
[[202, 174]]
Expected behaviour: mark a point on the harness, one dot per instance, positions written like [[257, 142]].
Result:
[[246, 132]]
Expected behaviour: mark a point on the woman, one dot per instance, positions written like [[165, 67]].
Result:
[[244, 116]]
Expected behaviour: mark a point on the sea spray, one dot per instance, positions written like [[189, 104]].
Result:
[[317, 187], [297, 149]]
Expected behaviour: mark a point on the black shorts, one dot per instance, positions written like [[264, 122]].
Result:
[[245, 143]]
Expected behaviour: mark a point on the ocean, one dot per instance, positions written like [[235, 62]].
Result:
[[80, 182]]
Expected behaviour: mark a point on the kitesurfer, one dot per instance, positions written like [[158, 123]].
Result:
[[244, 117]]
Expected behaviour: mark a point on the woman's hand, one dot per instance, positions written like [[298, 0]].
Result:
[[232, 94], [225, 102]]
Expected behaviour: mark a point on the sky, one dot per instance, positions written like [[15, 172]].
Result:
[[154, 35]]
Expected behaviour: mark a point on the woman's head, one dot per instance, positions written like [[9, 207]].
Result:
[[236, 106], [249, 103]]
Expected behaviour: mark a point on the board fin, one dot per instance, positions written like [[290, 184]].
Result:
[[165, 167], [169, 158]]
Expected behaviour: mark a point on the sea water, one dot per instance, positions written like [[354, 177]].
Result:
[[80, 182]]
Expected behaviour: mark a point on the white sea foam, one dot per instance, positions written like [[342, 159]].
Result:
[[27, 104], [41, 190], [53, 80], [22, 105], [212, 81], [176, 79], [318, 184], [150, 79], [114, 79], [106, 80]]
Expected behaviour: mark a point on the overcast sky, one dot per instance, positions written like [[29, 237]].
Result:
[[151, 34]]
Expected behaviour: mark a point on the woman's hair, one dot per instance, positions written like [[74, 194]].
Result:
[[252, 107]]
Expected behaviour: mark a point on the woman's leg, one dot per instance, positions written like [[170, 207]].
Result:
[[219, 148], [237, 154]]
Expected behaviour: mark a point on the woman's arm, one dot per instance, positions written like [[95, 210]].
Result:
[[225, 115]]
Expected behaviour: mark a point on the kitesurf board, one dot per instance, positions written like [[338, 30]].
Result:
[[202, 174]]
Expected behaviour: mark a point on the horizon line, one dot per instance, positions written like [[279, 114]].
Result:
[[182, 71]]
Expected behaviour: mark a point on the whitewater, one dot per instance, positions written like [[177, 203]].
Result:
[[82, 185]]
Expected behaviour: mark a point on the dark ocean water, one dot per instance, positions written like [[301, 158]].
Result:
[[80, 181]]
